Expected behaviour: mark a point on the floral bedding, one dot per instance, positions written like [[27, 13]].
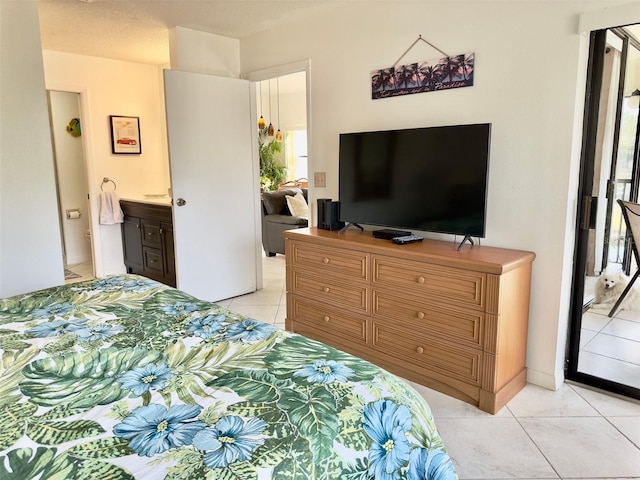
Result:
[[123, 377]]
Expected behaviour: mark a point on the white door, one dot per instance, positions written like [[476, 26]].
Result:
[[214, 181]]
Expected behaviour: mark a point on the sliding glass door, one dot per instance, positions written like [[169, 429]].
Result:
[[604, 348]]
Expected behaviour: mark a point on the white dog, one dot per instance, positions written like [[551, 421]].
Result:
[[609, 286]]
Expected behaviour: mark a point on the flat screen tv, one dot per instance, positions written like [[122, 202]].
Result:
[[430, 179]]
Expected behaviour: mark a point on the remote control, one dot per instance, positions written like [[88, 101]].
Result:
[[407, 239]]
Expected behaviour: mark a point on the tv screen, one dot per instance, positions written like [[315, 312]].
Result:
[[430, 179]]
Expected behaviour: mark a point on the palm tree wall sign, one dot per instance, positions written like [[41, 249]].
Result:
[[428, 76]]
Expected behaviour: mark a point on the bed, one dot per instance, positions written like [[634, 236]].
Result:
[[123, 377]]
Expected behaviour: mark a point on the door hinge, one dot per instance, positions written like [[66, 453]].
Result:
[[589, 212]]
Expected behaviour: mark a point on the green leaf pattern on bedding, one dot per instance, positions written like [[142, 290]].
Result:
[[123, 378]]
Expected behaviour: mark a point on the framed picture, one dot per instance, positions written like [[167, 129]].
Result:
[[125, 134]]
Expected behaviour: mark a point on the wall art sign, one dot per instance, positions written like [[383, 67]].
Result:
[[428, 76], [125, 134]]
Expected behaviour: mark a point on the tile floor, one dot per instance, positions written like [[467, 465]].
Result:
[[85, 270], [572, 433], [610, 347]]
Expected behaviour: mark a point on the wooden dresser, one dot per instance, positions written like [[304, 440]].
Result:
[[455, 321]]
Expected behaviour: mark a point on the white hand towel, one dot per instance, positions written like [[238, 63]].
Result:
[[110, 211]]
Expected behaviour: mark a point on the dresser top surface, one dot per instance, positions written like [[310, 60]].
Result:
[[487, 259]]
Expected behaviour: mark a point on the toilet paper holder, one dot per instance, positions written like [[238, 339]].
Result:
[[73, 213]]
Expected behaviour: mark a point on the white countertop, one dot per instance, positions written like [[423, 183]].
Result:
[[166, 200]]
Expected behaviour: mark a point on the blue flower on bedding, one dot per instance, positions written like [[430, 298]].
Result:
[[206, 327], [179, 308], [155, 428], [98, 332], [325, 371], [231, 439], [387, 424], [434, 465], [108, 283], [139, 284], [249, 331], [142, 379], [56, 328], [56, 310]]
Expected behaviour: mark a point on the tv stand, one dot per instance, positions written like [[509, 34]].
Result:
[[455, 322], [467, 238], [349, 224]]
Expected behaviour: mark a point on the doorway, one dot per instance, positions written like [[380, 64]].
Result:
[[604, 345], [71, 185]]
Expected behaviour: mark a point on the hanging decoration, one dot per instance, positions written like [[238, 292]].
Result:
[[427, 76], [278, 133], [270, 129], [74, 127], [261, 121]]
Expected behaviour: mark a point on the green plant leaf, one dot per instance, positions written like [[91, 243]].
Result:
[[314, 413], [25, 464], [82, 379], [13, 422], [256, 385], [288, 356], [110, 447], [235, 471], [94, 469], [297, 465], [11, 374], [55, 433]]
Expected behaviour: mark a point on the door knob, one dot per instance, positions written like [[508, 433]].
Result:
[[181, 202]]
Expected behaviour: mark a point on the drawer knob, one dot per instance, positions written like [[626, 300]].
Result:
[[325, 289], [420, 350], [326, 318], [420, 280], [420, 315], [325, 260]]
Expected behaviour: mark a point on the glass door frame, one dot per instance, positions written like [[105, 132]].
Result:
[[585, 218]]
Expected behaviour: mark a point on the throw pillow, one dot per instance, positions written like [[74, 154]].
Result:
[[298, 205]]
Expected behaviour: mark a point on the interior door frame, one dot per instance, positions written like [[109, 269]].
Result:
[[287, 69], [584, 215], [83, 102]]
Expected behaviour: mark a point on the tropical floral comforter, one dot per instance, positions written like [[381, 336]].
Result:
[[123, 378]]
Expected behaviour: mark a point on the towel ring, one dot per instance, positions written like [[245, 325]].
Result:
[[107, 180]]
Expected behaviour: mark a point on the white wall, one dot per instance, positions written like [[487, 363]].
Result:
[[111, 87], [30, 248], [528, 79]]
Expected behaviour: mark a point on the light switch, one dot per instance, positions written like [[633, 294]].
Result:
[[320, 179]]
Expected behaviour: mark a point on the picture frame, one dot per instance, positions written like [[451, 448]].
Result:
[[125, 135]]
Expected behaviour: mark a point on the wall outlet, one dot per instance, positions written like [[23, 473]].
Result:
[[320, 179]]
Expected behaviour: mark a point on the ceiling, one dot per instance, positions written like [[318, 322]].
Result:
[[138, 30]]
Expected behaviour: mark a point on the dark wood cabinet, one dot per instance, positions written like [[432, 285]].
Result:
[[147, 240]]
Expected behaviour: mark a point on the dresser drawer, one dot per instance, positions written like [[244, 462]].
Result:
[[151, 233], [328, 290], [330, 261], [430, 282], [326, 324], [448, 322], [453, 361], [153, 260]]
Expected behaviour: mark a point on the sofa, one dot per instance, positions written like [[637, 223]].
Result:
[[276, 218]]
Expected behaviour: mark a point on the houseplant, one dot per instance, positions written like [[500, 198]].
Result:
[[272, 169]]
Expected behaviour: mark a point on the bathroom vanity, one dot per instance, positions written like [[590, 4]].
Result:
[[147, 239]]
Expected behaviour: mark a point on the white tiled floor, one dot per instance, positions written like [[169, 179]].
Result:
[[610, 347], [572, 433]]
